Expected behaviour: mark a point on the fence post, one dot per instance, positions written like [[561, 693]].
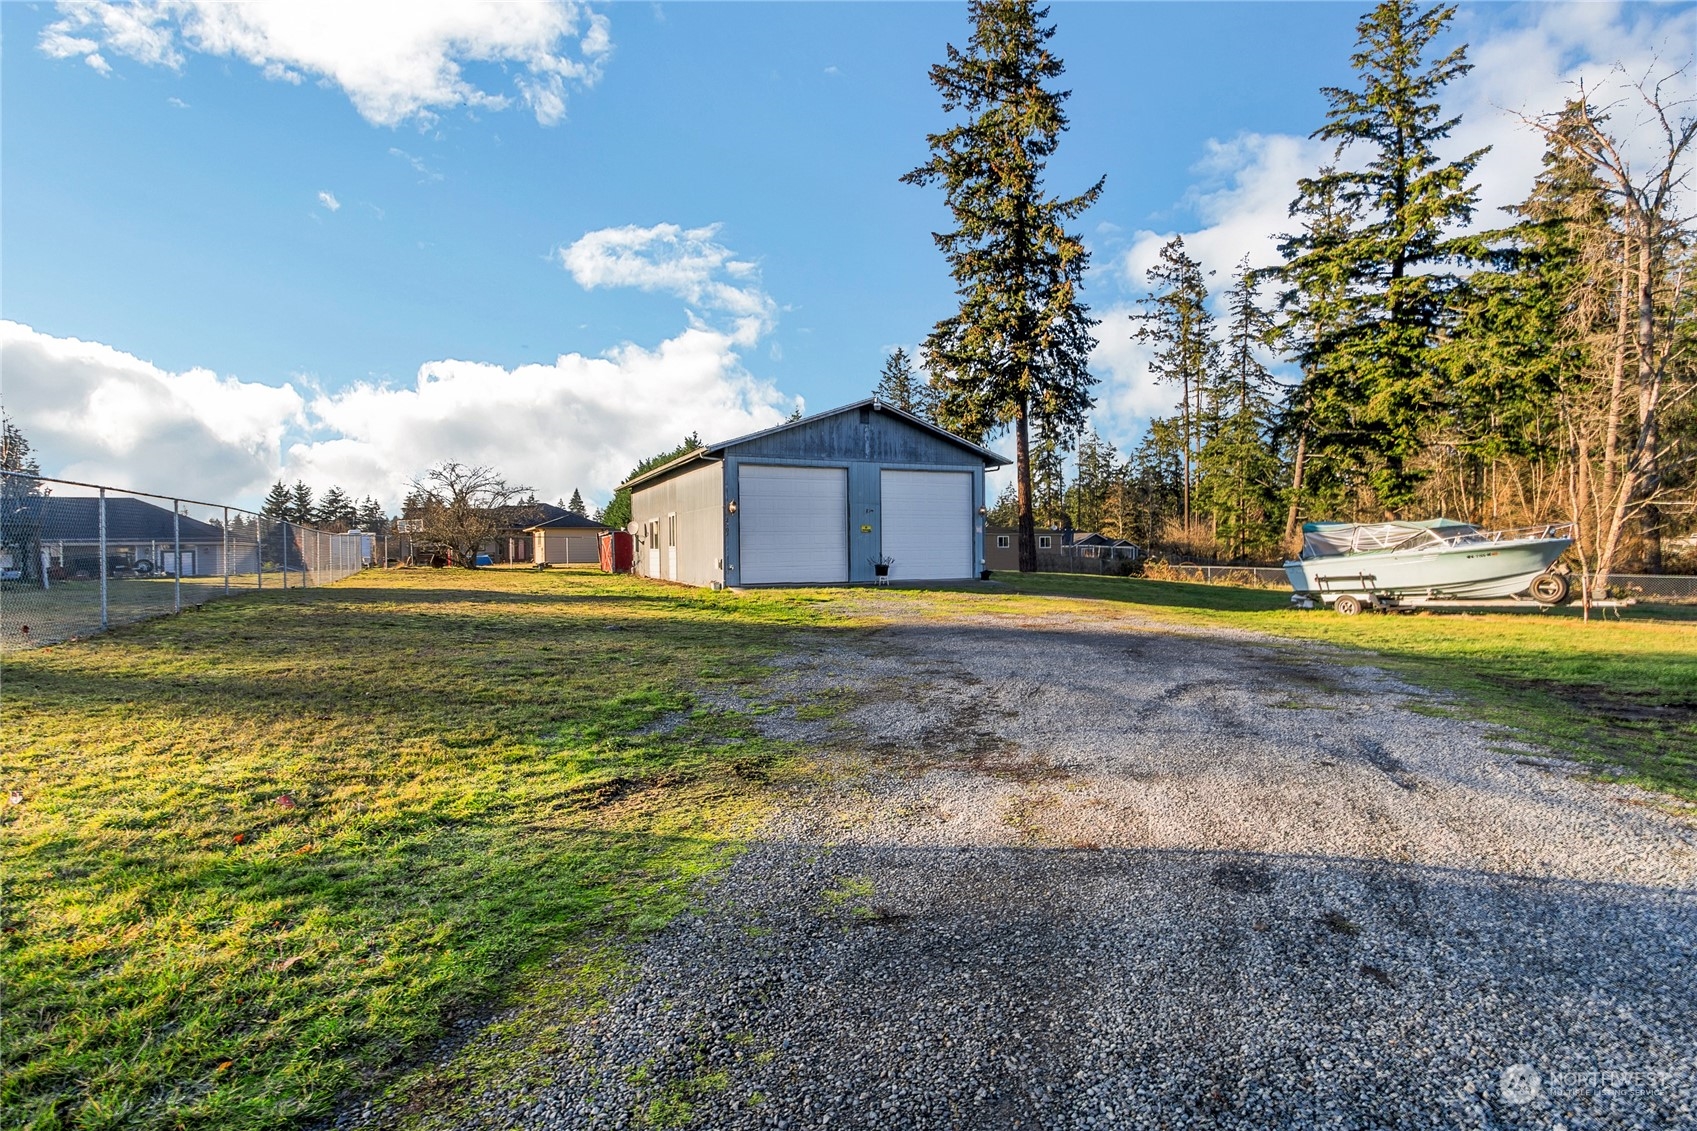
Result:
[[226, 551], [285, 554], [104, 621], [177, 555]]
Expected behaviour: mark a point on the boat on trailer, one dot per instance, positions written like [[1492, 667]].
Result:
[[1356, 566]]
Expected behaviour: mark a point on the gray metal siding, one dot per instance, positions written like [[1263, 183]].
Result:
[[709, 547], [697, 497], [842, 439]]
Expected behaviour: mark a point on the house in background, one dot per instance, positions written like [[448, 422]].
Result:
[[566, 539], [817, 501], [1061, 546], [140, 537]]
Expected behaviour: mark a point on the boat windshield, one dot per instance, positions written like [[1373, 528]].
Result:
[[1334, 539]]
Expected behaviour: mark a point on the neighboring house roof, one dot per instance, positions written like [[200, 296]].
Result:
[[77, 519], [568, 521], [717, 451], [522, 516]]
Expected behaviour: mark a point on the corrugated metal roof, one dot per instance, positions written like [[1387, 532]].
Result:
[[716, 451]]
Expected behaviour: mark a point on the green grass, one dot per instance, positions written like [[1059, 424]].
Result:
[[492, 779], [267, 850], [1620, 693]]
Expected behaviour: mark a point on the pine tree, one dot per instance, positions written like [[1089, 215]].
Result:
[[20, 521], [1177, 323], [15, 449], [1396, 306], [617, 511], [278, 503], [371, 517], [1318, 419], [900, 387], [1018, 350], [1238, 464], [301, 509], [577, 505], [335, 511], [1154, 483], [1092, 490]]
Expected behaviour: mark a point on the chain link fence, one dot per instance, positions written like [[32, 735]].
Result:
[[77, 558]]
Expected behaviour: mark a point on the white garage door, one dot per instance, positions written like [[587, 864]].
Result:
[[928, 524], [794, 524]]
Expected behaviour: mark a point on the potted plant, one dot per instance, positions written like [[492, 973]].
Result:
[[881, 566]]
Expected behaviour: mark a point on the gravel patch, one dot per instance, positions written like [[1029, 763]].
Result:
[[1087, 873]]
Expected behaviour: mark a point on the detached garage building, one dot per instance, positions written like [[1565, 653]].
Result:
[[815, 502], [566, 539]]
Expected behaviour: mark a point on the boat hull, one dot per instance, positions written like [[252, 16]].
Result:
[[1480, 570]]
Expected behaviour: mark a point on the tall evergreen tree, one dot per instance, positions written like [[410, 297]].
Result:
[[335, 510], [1018, 350], [1154, 484], [617, 511], [371, 517], [301, 509], [1239, 466], [577, 505], [1396, 304], [1177, 324], [278, 502], [1318, 419], [900, 386]]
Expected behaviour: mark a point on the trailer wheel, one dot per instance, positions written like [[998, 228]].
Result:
[[1347, 606], [1549, 588]]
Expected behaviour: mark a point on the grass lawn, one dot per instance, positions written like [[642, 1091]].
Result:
[[270, 848], [1616, 692]]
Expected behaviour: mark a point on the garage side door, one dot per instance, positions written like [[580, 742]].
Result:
[[794, 524], [928, 524]]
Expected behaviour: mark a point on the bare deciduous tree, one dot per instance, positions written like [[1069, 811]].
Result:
[[1613, 421], [460, 508]]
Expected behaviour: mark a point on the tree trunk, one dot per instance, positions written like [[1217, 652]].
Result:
[[1022, 473], [1296, 486], [1650, 521]]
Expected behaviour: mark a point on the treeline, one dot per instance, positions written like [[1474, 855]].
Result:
[[334, 511], [1397, 362]]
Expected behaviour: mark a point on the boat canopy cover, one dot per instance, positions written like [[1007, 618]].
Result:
[[1331, 539]]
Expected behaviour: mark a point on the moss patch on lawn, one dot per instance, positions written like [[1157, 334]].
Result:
[[267, 851]]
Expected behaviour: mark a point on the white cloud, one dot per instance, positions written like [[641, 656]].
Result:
[[578, 422], [425, 172], [328, 200], [675, 260], [177, 102], [96, 414], [395, 62], [1244, 184]]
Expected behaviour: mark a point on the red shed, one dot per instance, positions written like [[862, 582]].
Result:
[[617, 551]]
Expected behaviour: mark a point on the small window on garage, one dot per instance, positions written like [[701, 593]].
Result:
[[1043, 542], [671, 530], [1003, 541]]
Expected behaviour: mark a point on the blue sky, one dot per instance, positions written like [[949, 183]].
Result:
[[346, 244]]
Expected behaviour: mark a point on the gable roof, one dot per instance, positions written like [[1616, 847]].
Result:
[[568, 521], [717, 451], [521, 516], [76, 518]]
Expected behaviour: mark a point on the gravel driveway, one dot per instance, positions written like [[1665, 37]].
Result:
[[1077, 871]]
